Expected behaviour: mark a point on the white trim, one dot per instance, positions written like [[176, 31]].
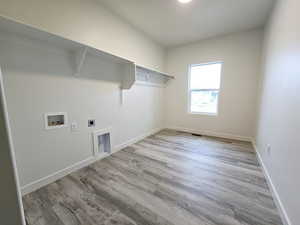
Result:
[[283, 214], [208, 63], [212, 133], [203, 114], [136, 139], [35, 185]]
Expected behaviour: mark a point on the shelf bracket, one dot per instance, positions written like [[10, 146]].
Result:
[[80, 57], [129, 76]]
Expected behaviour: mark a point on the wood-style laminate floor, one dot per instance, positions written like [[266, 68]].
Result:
[[171, 178]]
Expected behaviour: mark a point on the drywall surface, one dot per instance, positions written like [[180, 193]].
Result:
[[241, 54], [39, 79], [10, 203], [87, 22], [279, 121]]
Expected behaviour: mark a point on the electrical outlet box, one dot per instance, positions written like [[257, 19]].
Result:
[[91, 123]]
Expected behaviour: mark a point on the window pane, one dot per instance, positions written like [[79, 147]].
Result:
[[204, 101], [206, 76]]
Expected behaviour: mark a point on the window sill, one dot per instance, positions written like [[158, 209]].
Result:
[[203, 114]]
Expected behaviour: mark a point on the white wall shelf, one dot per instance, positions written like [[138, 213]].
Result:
[[155, 72], [81, 51], [148, 77]]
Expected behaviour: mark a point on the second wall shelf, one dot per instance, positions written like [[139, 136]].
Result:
[[140, 75]]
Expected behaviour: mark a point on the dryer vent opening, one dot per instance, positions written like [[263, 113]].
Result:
[[102, 143]]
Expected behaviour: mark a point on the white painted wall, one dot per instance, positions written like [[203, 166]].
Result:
[[241, 54], [39, 78], [87, 22], [279, 120], [11, 209]]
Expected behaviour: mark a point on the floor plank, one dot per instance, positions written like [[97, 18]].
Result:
[[170, 178]]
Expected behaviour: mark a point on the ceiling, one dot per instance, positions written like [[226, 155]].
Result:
[[171, 23]]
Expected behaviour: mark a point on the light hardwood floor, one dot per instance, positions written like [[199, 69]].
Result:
[[171, 178]]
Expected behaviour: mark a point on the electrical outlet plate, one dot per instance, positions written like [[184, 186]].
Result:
[[74, 126]]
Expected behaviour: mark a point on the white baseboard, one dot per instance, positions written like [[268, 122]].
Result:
[[278, 202], [136, 139], [212, 133], [28, 188], [33, 186]]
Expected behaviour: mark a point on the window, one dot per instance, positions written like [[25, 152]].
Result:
[[204, 88]]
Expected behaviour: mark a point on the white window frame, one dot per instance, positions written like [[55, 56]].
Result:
[[192, 90]]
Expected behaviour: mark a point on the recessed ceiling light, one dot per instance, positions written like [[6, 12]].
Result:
[[184, 1]]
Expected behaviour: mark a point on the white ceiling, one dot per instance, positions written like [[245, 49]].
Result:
[[171, 23]]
